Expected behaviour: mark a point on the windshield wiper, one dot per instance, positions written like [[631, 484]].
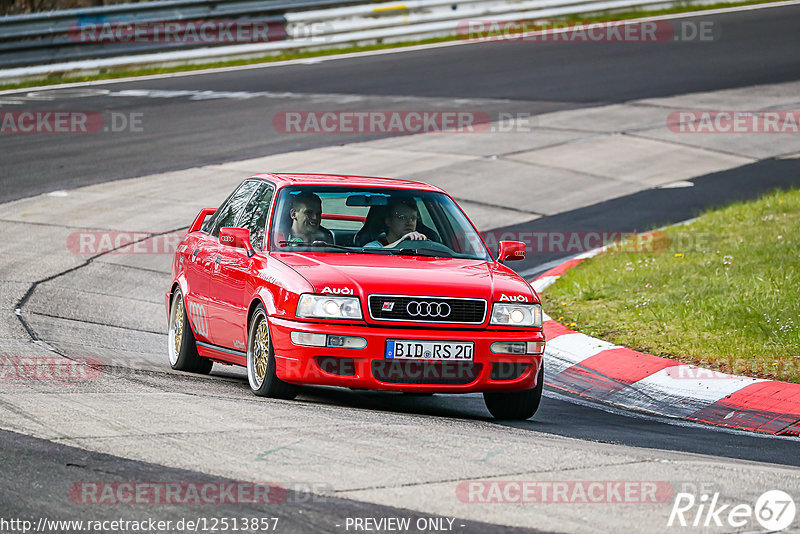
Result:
[[370, 250], [428, 253], [317, 243]]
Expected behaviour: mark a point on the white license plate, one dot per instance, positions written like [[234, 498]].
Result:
[[448, 351]]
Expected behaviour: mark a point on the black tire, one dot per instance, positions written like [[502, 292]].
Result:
[[260, 369], [181, 343], [515, 405]]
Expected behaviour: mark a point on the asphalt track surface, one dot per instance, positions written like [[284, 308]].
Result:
[[51, 470], [756, 47], [750, 48]]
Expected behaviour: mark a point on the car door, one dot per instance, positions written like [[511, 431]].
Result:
[[205, 259], [198, 269], [233, 270]]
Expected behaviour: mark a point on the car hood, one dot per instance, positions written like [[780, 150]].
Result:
[[367, 274]]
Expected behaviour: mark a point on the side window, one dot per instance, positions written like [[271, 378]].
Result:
[[254, 215], [208, 224], [227, 214]]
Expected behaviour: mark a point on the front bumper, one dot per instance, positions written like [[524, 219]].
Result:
[[368, 368]]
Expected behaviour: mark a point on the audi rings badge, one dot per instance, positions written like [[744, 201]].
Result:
[[417, 308]]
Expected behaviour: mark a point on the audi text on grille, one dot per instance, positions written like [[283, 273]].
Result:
[[427, 309]]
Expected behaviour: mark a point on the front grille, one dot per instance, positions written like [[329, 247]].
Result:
[[414, 372], [427, 309]]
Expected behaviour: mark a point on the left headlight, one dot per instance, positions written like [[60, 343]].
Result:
[[529, 315], [328, 307]]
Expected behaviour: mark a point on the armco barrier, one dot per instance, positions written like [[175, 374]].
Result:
[[37, 45]]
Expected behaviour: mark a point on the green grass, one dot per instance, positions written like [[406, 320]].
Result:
[[723, 292], [108, 74]]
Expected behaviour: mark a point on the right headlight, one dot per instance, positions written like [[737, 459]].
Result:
[[328, 307], [506, 314]]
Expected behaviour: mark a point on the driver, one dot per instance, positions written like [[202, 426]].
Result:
[[306, 214], [401, 224]]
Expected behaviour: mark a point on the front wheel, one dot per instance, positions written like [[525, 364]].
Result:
[[182, 347], [517, 405], [261, 361]]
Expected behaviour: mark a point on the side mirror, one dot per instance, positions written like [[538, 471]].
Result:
[[200, 219], [511, 250], [236, 237]]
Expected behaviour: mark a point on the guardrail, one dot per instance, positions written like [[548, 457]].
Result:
[[131, 35], [54, 22], [52, 36]]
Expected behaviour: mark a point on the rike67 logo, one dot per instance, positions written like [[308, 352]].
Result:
[[774, 510]]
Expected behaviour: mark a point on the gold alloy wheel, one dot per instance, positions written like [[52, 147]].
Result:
[[178, 327], [261, 351]]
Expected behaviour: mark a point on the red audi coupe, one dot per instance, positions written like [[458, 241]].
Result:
[[367, 283]]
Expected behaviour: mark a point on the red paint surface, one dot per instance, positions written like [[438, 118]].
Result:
[[610, 371]]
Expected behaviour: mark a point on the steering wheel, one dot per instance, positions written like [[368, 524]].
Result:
[[425, 244]]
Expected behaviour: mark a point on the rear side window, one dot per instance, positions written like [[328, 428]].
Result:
[[254, 215], [230, 210]]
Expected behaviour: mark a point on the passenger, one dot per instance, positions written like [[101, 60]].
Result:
[[306, 214], [401, 224]]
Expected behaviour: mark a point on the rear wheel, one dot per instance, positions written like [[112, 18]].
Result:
[[183, 354], [518, 405], [261, 361]]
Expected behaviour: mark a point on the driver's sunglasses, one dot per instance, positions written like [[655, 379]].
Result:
[[403, 218]]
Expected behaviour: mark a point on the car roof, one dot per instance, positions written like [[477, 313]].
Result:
[[284, 179]]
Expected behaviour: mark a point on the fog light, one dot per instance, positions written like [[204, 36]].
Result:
[[308, 339], [347, 342]]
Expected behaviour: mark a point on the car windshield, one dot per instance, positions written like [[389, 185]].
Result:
[[373, 221]]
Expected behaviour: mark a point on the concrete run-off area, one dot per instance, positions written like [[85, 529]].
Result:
[[106, 312]]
